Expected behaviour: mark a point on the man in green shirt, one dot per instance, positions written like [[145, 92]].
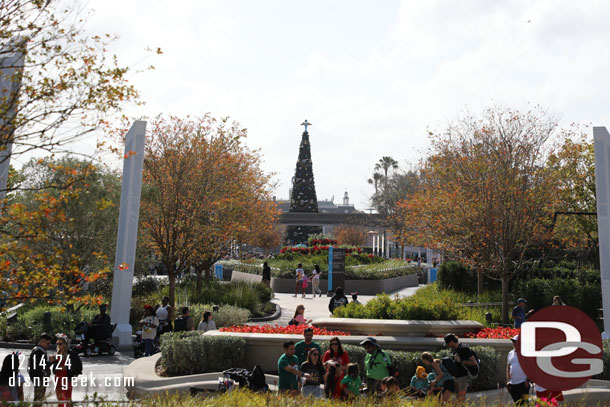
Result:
[[288, 369], [303, 347], [376, 364]]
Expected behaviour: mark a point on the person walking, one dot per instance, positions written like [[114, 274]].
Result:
[[376, 364], [164, 315], [467, 364], [303, 347], [337, 300], [288, 370], [442, 378], [519, 315], [149, 329], [39, 367], [300, 273], [315, 369], [518, 386], [315, 281], [266, 274], [184, 322], [67, 364], [299, 316], [207, 323]]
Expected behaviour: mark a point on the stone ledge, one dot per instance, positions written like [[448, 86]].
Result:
[[148, 382], [400, 328]]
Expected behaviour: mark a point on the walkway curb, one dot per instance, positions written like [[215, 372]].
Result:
[[276, 315]]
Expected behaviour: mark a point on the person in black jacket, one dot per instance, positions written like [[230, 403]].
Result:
[[337, 300], [266, 274], [100, 327], [39, 367]]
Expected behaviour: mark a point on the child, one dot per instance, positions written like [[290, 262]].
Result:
[[351, 382], [419, 382], [389, 386], [433, 389], [332, 380]]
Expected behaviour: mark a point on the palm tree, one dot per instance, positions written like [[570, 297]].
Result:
[[385, 163], [375, 180]]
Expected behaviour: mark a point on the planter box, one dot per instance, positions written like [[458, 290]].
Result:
[[266, 349], [363, 287], [397, 327]]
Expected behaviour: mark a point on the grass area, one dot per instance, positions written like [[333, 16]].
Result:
[[249, 399], [428, 303]]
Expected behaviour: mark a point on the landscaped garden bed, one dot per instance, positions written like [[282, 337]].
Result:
[[277, 329]]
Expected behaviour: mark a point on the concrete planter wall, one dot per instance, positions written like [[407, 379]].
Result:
[[397, 327], [266, 349], [364, 287]]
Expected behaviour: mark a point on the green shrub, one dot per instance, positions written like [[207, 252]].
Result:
[[539, 293], [2, 327], [429, 303], [454, 275], [187, 353], [145, 286], [30, 325], [226, 315]]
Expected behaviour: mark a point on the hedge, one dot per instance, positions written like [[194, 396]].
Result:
[[186, 353], [429, 303], [29, 324]]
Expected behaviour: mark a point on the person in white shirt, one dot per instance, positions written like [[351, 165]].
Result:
[[518, 384], [207, 323], [315, 281], [149, 323], [300, 274], [164, 315]]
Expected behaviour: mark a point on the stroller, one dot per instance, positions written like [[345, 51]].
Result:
[[253, 380], [102, 334]]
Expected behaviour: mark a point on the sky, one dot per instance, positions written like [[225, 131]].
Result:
[[371, 76]]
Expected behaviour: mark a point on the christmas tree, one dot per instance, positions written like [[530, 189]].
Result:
[[303, 197]]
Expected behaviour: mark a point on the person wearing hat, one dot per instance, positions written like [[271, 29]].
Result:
[[517, 383], [519, 315], [149, 323], [419, 382], [376, 364]]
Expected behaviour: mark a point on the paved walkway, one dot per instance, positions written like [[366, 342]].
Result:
[[318, 307]]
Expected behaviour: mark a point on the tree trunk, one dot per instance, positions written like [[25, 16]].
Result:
[[479, 283], [171, 273], [504, 280], [199, 272]]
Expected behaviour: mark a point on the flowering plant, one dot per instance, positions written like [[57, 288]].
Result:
[[494, 333], [277, 329]]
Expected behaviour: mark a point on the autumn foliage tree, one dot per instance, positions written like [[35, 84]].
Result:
[[70, 83], [487, 194], [53, 233], [267, 237], [574, 164], [352, 235], [202, 188]]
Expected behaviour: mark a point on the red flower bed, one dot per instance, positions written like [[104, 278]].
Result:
[[276, 329], [494, 333]]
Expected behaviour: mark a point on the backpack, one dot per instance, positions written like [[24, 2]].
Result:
[[181, 324], [76, 365], [469, 369], [293, 322], [392, 371]]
